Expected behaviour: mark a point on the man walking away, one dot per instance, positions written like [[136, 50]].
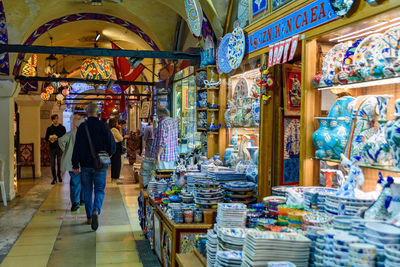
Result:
[[66, 144], [93, 180], [165, 143], [53, 133]]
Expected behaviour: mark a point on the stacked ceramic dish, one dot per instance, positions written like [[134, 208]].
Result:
[[212, 244], [152, 186], [231, 215], [231, 238], [381, 234], [279, 191], [242, 192], [314, 198], [208, 194], [262, 247], [195, 177], [280, 264], [162, 185], [312, 234], [318, 259], [392, 254], [186, 197], [226, 175], [317, 219], [345, 205], [229, 259], [345, 223], [362, 255], [341, 249], [329, 243], [271, 205]]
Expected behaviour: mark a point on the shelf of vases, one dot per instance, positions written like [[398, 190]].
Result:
[[362, 84], [208, 88], [200, 129], [208, 109], [366, 166]]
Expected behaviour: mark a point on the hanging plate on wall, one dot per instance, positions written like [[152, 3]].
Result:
[[236, 47], [392, 37], [341, 7], [194, 16], [223, 54]]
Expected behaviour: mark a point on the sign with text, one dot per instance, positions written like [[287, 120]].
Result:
[[306, 18]]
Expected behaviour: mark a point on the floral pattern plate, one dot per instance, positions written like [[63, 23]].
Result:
[[334, 59], [392, 37], [223, 54], [348, 57], [341, 7], [371, 50], [236, 47], [194, 16]]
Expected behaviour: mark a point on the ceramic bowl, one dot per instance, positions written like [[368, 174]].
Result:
[[392, 259], [381, 239], [393, 250], [361, 248], [345, 240]]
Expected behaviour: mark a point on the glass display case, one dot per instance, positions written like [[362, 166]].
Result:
[[184, 109]]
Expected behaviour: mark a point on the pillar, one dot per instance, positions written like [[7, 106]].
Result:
[[8, 89], [29, 125]]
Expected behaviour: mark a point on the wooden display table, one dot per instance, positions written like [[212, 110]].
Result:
[[193, 258], [171, 238]]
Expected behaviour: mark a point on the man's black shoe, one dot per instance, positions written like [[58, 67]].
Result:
[[54, 182], [75, 206], [60, 180], [95, 221]]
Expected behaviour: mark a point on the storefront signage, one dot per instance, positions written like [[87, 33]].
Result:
[[306, 18], [279, 52]]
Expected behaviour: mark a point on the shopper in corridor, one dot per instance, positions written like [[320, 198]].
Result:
[[93, 179], [53, 133]]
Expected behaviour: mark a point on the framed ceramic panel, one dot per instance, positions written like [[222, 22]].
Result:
[[279, 3], [187, 242], [292, 90], [257, 7], [157, 236], [290, 156]]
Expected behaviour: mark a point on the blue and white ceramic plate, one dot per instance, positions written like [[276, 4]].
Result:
[[236, 47], [223, 62]]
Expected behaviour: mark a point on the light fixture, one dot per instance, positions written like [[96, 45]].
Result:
[[363, 84], [97, 36], [64, 71], [356, 32], [51, 57], [96, 2]]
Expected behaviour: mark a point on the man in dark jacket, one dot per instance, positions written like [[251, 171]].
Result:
[[93, 180], [54, 132]]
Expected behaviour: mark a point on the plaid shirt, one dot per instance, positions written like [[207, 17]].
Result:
[[166, 135]]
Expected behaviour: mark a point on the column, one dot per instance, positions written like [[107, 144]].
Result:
[[8, 89], [29, 124]]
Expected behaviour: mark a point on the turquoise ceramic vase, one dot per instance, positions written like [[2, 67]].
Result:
[[339, 134], [322, 138]]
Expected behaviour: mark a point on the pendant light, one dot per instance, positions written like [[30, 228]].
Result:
[[64, 72], [49, 68]]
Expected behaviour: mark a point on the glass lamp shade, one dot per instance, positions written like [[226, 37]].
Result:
[[65, 92], [45, 96], [48, 70], [95, 69], [59, 97], [50, 89]]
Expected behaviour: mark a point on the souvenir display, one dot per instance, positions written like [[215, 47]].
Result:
[[223, 62], [332, 61], [212, 244], [231, 215], [393, 135]]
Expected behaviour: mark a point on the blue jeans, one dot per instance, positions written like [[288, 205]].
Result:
[[75, 188], [93, 181]]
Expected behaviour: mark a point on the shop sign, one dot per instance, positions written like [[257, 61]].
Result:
[[306, 18], [279, 52]]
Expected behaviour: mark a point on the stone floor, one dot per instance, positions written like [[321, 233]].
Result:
[[38, 228]]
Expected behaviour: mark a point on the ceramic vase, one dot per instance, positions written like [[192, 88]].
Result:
[[364, 119], [200, 78], [343, 108], [252, 173], [321, 137], [376, 149], [393, 135], [339, 134], [228, 152], [235, 139]]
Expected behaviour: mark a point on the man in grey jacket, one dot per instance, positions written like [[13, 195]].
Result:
[[66, 143]]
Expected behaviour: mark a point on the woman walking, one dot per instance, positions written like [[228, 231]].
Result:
[[116, 157]]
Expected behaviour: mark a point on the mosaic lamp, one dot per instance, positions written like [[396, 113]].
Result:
[[95, 69]]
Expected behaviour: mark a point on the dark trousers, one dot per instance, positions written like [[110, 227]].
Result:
[[115, 165], [55, 154]]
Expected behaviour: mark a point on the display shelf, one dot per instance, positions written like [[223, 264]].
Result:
[[212, 132], [213, 109], [202, 109], [201, 129], [206, 67], [366, 166], [378, 82]]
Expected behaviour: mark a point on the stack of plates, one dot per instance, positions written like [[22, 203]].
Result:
[[341, 249], [381, 234], [392, 253], [279, 191], [231, 215], [329, 240], [319, 249], [314, 198], [262, 247], [345, 205], [229, 259], [152, 186], [162, 185], [226, 175], [242, 192], [362, 255], [212, 244], [312, 234], [208, 194], [271, 205], [194, 177], [344, 222], [231, 238]]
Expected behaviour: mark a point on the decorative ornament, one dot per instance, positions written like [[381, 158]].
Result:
[[45, 96], [29, 70], [95, 69], [50, 89], [59, 97], [223, 54], [341, 7], [194, 16], [65, 92]]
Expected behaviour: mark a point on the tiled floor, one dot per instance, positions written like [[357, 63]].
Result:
[[57, 237]]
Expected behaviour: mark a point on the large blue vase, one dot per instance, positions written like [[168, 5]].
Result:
[[339, 132], [393, 136], [343, 108], [322, 138]]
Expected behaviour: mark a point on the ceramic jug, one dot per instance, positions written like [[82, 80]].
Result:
[[393, 135], [322, 137], [376, 149]]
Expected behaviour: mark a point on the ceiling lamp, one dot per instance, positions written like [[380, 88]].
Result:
[[45, 96], [29, 69], [60, 97], [64, 72], [96, 2], [95, 69], [50, 89]]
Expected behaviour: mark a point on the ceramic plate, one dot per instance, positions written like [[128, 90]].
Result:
[[194, 16], [334, 59], [348, 57], [341, 7], [236, 47], [223, 54], [371, 50], [392, 37]]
